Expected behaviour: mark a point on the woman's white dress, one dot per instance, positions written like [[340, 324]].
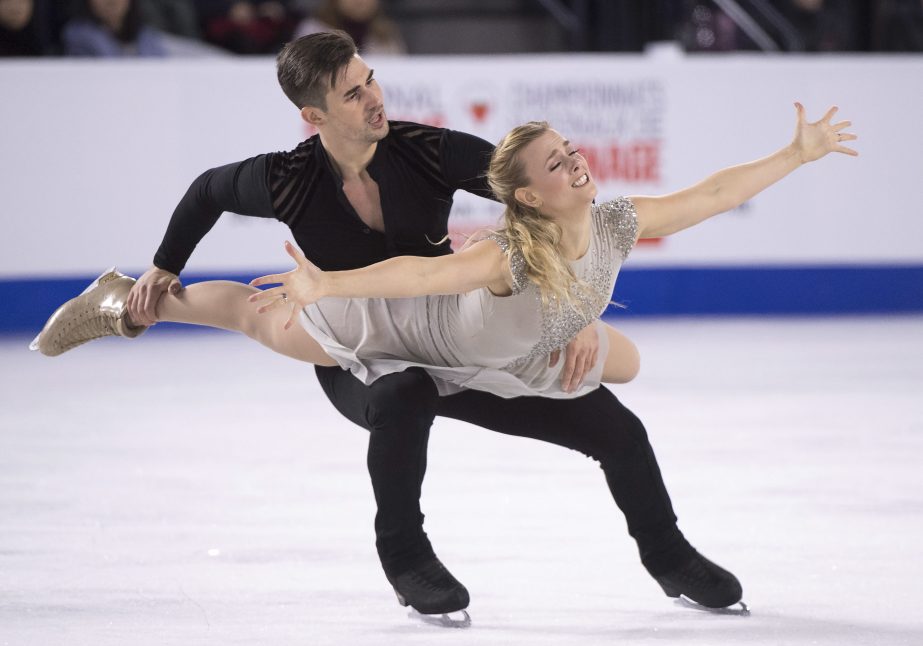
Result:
[[479, 340]]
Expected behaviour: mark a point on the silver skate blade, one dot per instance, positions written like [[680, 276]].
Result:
[[739, 609], [34, 345], [460, 619]]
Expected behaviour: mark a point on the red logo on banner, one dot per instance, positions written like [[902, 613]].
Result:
[[479, 111], [634, 161]]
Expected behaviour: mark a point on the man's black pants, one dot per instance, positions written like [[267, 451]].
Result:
[[398, 410]]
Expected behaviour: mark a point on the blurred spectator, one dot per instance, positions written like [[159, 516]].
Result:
[[110, 28], [364, 20], [178, 24], [708, 29], [176, 17], [898, 26], [825, 26], [21, 30], [248, 26]]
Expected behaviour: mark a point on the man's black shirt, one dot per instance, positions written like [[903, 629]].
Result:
[[417, 168]]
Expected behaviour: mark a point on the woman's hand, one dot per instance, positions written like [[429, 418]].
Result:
[[579, 358], [299, 287], [814, 140]]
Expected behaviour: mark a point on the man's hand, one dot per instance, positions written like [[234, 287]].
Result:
[[579, 357], [144, 294]]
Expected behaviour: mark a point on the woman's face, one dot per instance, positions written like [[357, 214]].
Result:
[[560, 184]]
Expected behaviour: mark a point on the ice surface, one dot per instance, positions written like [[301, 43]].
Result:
[[197, 489]]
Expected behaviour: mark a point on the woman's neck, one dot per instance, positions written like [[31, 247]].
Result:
[[575, 236]]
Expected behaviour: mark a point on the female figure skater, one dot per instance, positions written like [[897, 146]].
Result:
[[496, 310]]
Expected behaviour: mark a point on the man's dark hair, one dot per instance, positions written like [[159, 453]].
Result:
[[307, 67]]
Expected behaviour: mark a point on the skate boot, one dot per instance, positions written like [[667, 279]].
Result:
[[701, 581], [430, 589], [99, 311]]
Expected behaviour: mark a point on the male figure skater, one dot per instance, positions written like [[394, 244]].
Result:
[[365, 189]]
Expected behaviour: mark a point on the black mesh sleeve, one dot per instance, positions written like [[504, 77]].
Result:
[[465, 159], [238, 188]]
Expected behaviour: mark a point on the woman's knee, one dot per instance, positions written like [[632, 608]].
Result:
[[623, 363], [630, 365]]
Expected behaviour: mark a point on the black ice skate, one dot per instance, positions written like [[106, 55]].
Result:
[[431, 590], [699, 583]]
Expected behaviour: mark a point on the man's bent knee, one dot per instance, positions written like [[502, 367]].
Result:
[[403, 397]]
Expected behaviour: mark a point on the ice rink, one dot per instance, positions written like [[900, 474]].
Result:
[[197, 489]]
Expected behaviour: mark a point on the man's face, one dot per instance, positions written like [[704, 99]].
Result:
[[355, 110]]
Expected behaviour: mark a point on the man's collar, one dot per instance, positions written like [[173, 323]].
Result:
[[322, 155]]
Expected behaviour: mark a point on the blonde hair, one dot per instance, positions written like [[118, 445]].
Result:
[[534, 235]]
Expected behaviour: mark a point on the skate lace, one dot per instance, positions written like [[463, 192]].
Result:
[[88, 324]]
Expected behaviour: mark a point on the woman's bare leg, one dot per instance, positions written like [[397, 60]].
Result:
[[623, 360], [223, 304]]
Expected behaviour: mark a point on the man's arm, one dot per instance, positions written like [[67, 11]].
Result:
[[238, 188]]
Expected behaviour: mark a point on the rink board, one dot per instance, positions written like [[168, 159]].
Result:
[[96, 187], [734, 291]]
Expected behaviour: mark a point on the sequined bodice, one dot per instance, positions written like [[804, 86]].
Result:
[[614, 229], [478, 340]]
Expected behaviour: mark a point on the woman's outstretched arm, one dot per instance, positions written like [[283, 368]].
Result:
[[483, 264], [731, 187]]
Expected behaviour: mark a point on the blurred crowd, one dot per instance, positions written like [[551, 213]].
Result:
[[114, 28], [816, 26]]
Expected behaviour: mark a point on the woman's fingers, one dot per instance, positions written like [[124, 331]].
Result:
[[263, 294], [846, 151], [842, 124], [844, 136], [268, 280], [827, 117], [291, 317], [269, 306], [295, 253], [553, 359], [272, 297]]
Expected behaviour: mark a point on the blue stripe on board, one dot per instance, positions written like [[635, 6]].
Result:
[[741, 291], [726, 291]]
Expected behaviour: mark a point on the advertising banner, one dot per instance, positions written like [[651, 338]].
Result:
[[96, 154]]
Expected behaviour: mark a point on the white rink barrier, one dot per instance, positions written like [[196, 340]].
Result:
[[95, 154]]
